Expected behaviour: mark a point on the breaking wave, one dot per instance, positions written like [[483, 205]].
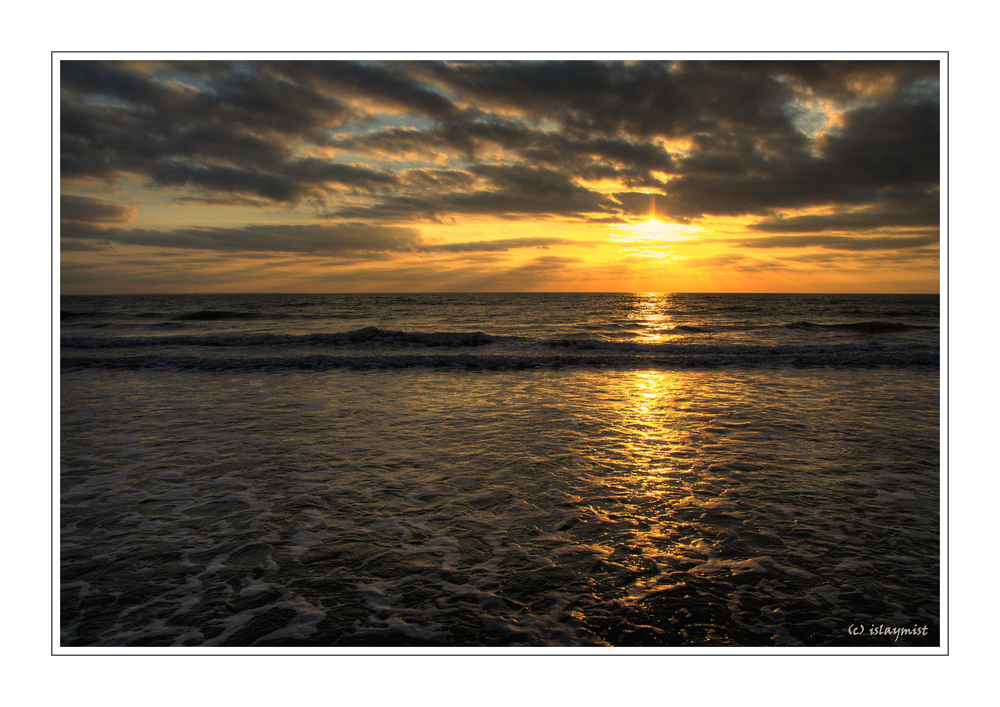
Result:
[[211, 315], [611, 355], [367, 335], [866, 327]]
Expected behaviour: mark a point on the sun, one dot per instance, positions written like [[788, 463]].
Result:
[[653, 227], [655, 230]]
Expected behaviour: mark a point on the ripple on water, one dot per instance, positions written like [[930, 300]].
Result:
[[634, 508]]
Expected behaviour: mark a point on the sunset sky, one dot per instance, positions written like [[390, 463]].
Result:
[[291, 175]]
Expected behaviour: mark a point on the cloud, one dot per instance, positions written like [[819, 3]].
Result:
[[217, 127], [895, 150], [842, 156], [90, 217], [839, 242], [84, 246], [502, 244], [846, 80], [341, 240], [82, 209], [505, 191], [311, 238], [229, 130], [638, 98], [298, 180], [476, 138], [846, 221], [545, 266], [734, 261], [887, 147], [890, 144], [387, 82], [892, 210]]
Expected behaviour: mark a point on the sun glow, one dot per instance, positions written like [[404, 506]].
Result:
[[654, 231]]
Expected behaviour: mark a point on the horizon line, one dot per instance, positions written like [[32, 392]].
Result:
[[492, 292]]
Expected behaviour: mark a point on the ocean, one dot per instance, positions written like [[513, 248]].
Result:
[[500, 470]]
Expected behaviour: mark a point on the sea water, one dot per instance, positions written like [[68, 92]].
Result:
[[500, 470]]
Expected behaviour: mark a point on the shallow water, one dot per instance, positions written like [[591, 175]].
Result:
[[571, 506]]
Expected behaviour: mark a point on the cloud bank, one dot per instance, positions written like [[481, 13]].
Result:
[[812, 154]]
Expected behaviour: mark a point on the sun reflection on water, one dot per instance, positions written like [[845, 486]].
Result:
[[652, 431], [653, 319], [680, 506]]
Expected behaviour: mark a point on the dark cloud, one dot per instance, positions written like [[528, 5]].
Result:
[[789, 184], [218, 127], [221, 200], [917, 257], [893, 210], [507, 191], [840, 242], [312, 238], [637, 203], [388, 82], [638, 98], [858, 221], [506, 204], [474, 141], [679, 98], [84, 246], [387, 142], [227, 180], [437, 179], [889, 144], [727, 155], [849, 79], [247, 97], [89, 217], [342, 239], [399, 144], [536, 181], [83, 209]]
